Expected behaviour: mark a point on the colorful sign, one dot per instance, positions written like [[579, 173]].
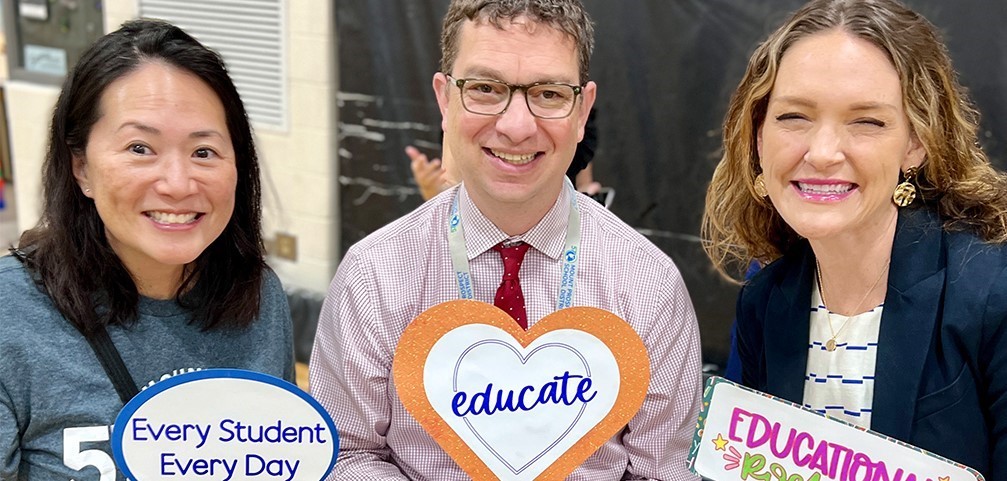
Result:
[[510, 404], [223, 425], [747, 435]]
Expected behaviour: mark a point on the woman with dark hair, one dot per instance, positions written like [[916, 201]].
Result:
[[851, 167], [148, 258]]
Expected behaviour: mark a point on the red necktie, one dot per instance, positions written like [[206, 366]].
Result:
[[509, 297]]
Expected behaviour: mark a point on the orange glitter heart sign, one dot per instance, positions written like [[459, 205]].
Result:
[[510, 404]]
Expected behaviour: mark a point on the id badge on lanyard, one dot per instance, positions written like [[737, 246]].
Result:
[[568, 266]]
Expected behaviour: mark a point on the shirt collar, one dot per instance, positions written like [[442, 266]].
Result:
[[548, 236]]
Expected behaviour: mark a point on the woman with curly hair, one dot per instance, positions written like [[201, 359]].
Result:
[[851, 169]]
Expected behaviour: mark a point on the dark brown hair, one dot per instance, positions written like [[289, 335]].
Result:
[[68, 253]]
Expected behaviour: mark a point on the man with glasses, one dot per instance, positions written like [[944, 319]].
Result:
[[514, 94]]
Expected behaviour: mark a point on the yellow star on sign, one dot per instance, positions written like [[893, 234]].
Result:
[[721, 445], [944, 478]]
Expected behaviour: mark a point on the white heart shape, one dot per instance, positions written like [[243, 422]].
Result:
[[521, 440]]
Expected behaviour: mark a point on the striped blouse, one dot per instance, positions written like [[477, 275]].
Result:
[[840, 383]]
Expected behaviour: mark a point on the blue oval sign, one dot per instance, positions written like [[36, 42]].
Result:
[[223, 425]]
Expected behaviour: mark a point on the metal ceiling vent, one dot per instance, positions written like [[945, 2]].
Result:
[[250, 35]]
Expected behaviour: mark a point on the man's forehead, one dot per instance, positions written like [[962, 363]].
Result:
[[479, 58], [521, 23]]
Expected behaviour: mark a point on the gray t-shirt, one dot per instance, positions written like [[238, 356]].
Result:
[[56, 403]]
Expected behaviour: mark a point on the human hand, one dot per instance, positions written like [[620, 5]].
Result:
[[590, 188], [430, 176]]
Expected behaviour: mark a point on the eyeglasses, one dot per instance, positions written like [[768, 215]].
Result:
[[545, 100]]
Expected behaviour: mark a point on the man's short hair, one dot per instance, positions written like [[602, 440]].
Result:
[[567, 16]]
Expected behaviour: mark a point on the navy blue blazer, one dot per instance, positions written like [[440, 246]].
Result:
[[941, 376]]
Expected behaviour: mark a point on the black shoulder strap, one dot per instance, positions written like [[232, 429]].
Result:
[[103, 347], [111, 361]]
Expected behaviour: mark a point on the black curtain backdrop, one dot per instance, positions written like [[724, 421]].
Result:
[[665, 71]]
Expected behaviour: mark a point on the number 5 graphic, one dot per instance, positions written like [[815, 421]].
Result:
[[74, 458]]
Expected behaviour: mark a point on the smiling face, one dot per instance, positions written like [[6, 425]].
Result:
[[160, 167], [835, 138], [513, 162]]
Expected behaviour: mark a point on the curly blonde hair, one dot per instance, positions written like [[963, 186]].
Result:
[[956, 177]]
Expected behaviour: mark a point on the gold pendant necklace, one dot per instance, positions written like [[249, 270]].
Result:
[[830, 345]]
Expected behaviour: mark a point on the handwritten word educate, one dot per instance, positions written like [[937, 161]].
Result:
[[830, 459], [557, 391]]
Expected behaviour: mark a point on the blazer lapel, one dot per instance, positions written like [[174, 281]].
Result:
[[912, 307], [787, 330]]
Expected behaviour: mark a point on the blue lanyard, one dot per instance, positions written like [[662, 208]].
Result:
[[571, 252]]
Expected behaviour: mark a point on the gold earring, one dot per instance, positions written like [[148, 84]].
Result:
[[905, 193], [760, 186], [87, 191]]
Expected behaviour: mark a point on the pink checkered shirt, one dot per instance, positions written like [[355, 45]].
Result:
[[399, 271]]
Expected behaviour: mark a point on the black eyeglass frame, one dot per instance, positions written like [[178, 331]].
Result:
[[460, 83]]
